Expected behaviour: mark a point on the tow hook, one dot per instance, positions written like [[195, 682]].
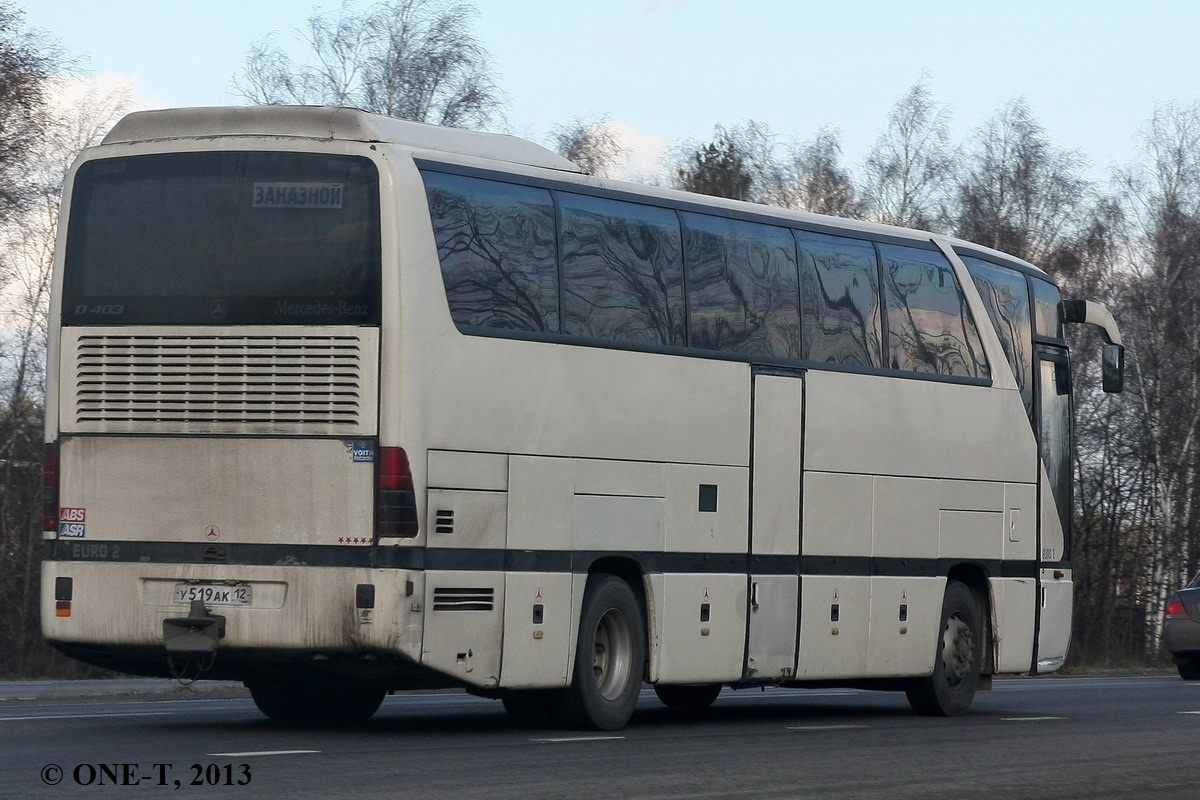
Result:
[[191, 641]]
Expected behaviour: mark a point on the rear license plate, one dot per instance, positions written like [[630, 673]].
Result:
[[213, 594]]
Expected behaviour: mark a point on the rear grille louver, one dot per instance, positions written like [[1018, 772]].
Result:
[[228, 381], [464, 599]]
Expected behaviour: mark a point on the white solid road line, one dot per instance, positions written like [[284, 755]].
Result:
[[250, 753], [825, 727], [87, 716]]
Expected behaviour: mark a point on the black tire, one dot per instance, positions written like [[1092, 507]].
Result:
[[949, 691], [280, 703], [610, 659], [317, 703], [1189, 671], [692, 697]]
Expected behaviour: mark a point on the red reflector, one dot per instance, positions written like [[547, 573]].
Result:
[[1176, 609], [50, 487]]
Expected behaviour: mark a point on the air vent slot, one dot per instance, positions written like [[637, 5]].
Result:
[[444, 521], [464, 599]]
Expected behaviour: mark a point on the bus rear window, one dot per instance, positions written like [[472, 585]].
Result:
[[224, 238]]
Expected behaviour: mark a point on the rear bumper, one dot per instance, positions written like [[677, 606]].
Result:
[[1181, 636], [266, 667], [299, 618]]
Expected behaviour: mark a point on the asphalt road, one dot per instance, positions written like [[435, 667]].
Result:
[[1072, 737]]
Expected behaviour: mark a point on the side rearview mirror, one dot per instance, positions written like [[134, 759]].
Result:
[[1113, 362]]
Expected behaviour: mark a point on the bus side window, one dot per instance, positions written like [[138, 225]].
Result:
[[622, 270], [1006, 296], [930, 328], [496, 246], [839, 300], [742, 292], [1048, 322]]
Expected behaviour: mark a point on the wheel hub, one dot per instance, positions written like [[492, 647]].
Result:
[[958, 650], [612, 650]]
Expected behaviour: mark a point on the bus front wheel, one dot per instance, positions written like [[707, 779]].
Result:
[[949, 690], [610, 659]]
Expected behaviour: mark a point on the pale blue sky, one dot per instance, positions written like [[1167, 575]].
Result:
[[1091, 70]]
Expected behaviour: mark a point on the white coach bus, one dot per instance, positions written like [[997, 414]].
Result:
[[340, 405]]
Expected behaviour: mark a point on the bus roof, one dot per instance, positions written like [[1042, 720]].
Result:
[[351, 124], [320, 122]]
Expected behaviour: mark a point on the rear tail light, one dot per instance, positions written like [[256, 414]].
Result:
[[50, 487], [395, 497], [1176, 609], [64, 588]]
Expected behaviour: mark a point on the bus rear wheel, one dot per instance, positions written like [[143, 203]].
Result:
[[949, 691], [692, 697], [317, 703], [610, 659]]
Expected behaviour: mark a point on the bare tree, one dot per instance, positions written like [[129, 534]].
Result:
[[1138, 509], [911, 165], [1018, 192], [739, 163], [1163, 325], [26, 60], [743, 163], [1110, 553], [77, 119], [814, 179], [715, 168], [413, 59], [37, 145], [83, 114], [595, 145]]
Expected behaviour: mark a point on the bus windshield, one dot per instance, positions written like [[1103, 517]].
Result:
[[224, 238]]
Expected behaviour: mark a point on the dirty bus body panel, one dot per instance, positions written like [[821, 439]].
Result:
[[342, 404]]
